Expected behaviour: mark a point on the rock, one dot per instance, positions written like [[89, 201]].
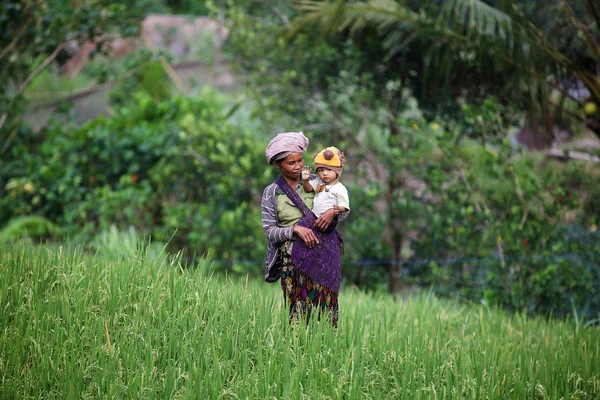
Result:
[[176, 34]]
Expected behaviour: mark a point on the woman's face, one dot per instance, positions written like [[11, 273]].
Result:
[[291, 166]]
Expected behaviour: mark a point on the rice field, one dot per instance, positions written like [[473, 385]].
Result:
[[76, 325]]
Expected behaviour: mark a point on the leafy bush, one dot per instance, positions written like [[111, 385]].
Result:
[[115, 244], [174, 170], [499, 225], [27, 227], [487, 223]]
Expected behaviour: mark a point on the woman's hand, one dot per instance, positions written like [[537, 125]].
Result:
[[307, 235], [323, 222]]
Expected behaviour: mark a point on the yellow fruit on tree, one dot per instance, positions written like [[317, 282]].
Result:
[[590, 108]]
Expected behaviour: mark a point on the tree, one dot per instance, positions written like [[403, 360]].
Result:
[[176, 169], [335, 91], [504, 49], [33, 33], [541, 55], [355, 84]]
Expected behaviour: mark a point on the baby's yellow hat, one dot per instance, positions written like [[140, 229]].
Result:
[[330, 157]]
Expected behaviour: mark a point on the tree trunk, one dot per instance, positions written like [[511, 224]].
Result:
[[396, 282], [395, 227]]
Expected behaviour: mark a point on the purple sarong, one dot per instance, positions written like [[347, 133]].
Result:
[[323, 262]]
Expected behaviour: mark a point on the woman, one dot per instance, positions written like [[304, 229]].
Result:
[[304, 252]]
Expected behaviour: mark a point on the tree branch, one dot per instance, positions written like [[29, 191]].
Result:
[[172, 75], [362, 133], [10, 138], [572, 155], [3, 120], [591, 42], [39, 69], [15, 40], [595, 13], [196, 155]]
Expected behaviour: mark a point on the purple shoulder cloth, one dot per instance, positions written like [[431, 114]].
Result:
[[323, 262]]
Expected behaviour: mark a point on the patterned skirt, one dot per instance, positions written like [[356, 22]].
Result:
[[303, 295]]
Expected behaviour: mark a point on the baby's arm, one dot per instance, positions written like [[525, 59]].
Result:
[[342, 208], [339, 209], [305, 180]]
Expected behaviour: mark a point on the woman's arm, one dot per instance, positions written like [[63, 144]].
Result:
[[323, 222], [273, 231], [307, 235], [270, 223]]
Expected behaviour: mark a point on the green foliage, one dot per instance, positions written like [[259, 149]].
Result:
[[48, 81], [31, 36], [431, 173], [146, 74], [487, 122], [502, 226], [177, 169], [157, 329], [27, 227], [115, 244], [516, 49], [366, 253], [189, 7], [174, 170]]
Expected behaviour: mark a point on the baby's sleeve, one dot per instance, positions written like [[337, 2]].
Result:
[[343, 200], [314, 183]]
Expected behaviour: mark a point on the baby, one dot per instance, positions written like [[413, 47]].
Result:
[[330, 193]]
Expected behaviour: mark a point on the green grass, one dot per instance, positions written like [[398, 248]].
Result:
[[77, 325]]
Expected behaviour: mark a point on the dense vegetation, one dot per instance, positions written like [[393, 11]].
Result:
[[127, 321], [426, 97], [131, 248], [175, 170], [442, 194]]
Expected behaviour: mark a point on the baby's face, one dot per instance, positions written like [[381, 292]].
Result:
[[327, 175]]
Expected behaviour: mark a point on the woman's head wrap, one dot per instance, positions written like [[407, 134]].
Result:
[[331, 158], [284, 144]]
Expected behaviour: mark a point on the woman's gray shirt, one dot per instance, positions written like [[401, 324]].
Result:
[[275, 234]]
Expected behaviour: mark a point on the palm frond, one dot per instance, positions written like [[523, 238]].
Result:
[[326, 16], [27, 226], [594, 11], [478, 17], [397, 24], [461, 20], [387, 16], [540, 60]]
